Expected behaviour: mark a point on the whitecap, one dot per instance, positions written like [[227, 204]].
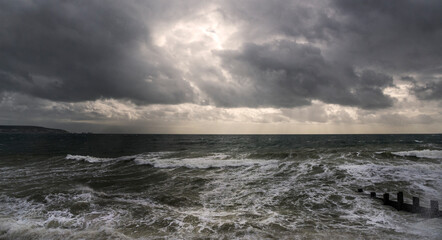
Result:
[[433, 154], [92, 159], [164, 160], [213, 161]]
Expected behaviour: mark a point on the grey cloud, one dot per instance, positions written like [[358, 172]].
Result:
[[313, 113], [393, 37], [262, 19], [74, 117], [429, 88], [396, 119], [397, 35], [408, 79], [287, 74], [430, 91], [85, 50]]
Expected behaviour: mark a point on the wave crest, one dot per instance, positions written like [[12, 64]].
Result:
[[165, 160], [91, 159], [433, 154], [213, 161]]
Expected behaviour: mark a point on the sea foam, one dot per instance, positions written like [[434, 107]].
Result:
[[97, 159], [211, 161], [433, 154], [164, 160]]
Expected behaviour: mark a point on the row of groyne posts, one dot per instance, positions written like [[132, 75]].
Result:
[[400, 205]]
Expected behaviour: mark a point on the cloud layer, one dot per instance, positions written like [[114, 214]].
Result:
[[373, 56]]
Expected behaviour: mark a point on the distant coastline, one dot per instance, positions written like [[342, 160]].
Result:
[[30, 129]]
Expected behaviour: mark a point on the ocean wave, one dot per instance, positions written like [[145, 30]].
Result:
[[92, 159], [433, 154], [212, 161], [166, 160], [26, 219], [420, 178]]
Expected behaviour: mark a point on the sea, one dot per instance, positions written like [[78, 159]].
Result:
[[98, 186]]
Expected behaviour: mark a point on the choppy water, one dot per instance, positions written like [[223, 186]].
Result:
[[216, 187]]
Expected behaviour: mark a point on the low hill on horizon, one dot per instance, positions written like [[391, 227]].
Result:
[[29, 129]]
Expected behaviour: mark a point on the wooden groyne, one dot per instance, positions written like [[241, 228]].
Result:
[[401, 205]]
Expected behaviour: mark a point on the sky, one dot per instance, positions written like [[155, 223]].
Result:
[[222, 67]]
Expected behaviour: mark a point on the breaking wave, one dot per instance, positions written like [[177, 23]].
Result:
[[214, 161], [165, 160], [91, 159], [433, 154]]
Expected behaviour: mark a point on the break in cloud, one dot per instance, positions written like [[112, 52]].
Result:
[[79, 64]]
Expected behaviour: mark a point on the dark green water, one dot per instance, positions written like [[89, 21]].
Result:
[[215, 186]]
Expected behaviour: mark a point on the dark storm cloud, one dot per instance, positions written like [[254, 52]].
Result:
[[389, 37], [261, 19], [430, 91], [287, 74], [398, 35], [84, 50]]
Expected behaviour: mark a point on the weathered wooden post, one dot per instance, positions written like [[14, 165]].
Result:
[[434, 208], [400, 205], [415, 207], [386, 198], [400, 200]]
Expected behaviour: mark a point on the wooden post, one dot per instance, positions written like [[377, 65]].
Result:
[[434, 208], [386, 198], [373, 194], [400, 200], [416, 207], [360, 190]]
